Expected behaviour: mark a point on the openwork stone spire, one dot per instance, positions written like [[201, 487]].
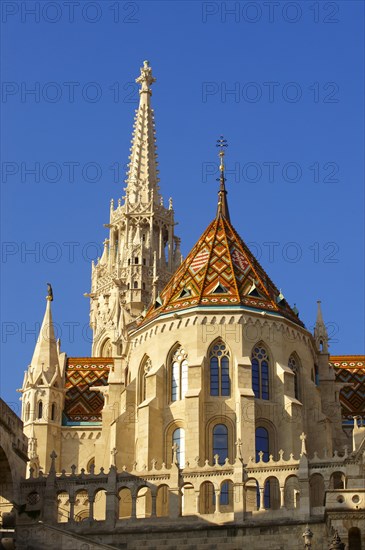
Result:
[[142, 250], [142, 177]]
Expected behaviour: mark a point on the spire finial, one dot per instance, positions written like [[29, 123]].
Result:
[[49, 292], [222, 193], [146, 78]]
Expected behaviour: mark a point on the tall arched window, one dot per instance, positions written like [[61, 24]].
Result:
[[179, 374], [293, 364], [262, 444], [27, 412], [260, 372], [178, 438], [143, 372], [53, 411], [106, 350], [40, 409], [219, 370], [220, 448]]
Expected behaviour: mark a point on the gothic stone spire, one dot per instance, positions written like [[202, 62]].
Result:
[[142, 177]]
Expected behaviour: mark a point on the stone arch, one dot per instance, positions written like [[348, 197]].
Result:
[[316, 490], [144, 502], [63, 507], [354, 538], [106, 349], [226, 421], [81, 508], [272, 493], [206, 498], [125, 503], [162, 501], [291, 493], [337, 480], [99, 505], [6, 485]]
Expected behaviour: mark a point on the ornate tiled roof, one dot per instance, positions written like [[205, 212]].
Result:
[[82, 404], [220, 271], [350, 369]]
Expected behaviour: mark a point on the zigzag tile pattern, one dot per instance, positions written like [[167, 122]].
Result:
[[81, 404], [350, 369], [220, 270]]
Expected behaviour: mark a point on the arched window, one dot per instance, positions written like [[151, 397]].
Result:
[[179, 374], [262, 445], [40, 409], [178, 438], [106, 350], [143, 372], [53, 411], [27, 412], [260, 372], [135, 284], [219, 370], [293, 364], [220, 448]]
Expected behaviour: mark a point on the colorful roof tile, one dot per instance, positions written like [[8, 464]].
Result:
[[350, 369], [221, 271], [82, 404]]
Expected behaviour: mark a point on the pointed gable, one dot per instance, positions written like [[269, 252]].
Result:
[[221, 271]]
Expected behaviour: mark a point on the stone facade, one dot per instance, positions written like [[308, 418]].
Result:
[[207, 416]]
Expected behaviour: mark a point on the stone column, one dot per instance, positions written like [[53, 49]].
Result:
[[197, 501], [174, 502], [72, 507], [91, 508], [282, 497], [134, 505], [262, 501], [217, 501], [112, 507], [153, 508]]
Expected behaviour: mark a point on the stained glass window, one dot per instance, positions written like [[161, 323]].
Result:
[[179, 375]]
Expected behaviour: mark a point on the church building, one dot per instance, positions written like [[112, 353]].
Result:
[[207, 416]]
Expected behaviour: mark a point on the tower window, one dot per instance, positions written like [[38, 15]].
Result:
[[53, 411], [260, 372], [179, 375], [144, 286], [219, 370], [136, 260], [144, 261], [129, 261], [135, 284], [40, 409]]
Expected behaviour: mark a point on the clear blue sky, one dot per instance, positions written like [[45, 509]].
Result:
[[294, 122]]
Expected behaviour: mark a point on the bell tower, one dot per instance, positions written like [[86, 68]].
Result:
[[142, 251]]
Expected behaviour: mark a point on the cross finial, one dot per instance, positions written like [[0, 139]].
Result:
[[222, 194], [146, 78]]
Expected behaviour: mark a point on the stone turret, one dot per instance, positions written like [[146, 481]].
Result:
[[43, 394]]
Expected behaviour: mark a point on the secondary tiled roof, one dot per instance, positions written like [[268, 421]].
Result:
[[350, 369], [81, 404]]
